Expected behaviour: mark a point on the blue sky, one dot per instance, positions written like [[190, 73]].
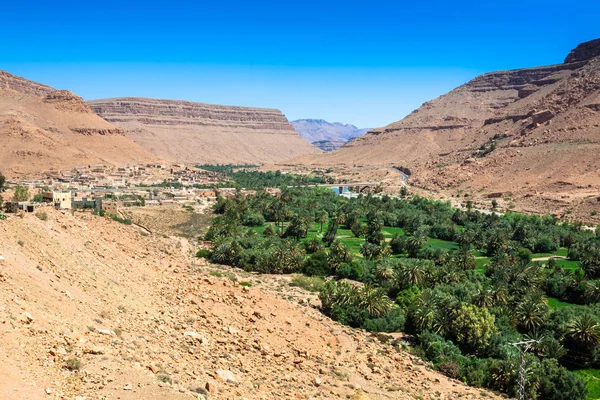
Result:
[[367, 63]]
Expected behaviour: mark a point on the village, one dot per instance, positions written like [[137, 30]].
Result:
[[107, 189]]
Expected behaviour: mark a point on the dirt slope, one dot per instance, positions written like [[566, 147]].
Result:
[[42, 128], [204, 133], [531, 132], [144, 324]]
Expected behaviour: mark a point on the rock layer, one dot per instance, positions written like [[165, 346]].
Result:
[[42, 128], [205, 133]]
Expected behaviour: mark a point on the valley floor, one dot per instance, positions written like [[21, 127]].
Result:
[[94, 309]]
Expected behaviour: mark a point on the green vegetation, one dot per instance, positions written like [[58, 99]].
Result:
[[120, 220], [42, 215], [38, 198], [21, 193], [73, 364], [204, 254], [310, 283], [463, 282], [240, 176]]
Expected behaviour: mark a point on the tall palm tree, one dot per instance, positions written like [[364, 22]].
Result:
[[322, 217], [414, 244]]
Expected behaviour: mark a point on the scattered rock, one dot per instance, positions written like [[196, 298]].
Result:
[[226, 376], [28, 318]]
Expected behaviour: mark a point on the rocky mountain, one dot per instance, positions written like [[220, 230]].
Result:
[[42, 128], [205, 133], [329, 145], [325, 135], [533, 133]]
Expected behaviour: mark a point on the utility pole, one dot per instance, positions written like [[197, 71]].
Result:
[[523, 347]]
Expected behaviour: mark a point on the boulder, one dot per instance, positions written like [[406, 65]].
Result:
[[542, 116]]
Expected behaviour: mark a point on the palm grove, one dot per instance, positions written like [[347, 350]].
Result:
[[465, 315]]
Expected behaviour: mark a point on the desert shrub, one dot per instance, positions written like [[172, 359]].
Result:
[[42, 215], [310, 283], [73, 364], [204, 254]]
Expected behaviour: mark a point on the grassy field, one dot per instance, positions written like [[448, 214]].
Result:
[[592, 379], [556, 303], [347, 238]]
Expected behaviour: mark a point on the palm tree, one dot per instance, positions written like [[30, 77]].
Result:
[[322, 217], [592, 292], [339, 253], [464, 259], [414, 244], [530, 313], [410, 273], [584, 331], [384, 272], [484, 297], [374, 300]]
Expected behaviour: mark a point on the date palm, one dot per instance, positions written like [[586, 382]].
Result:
[[592, 292], [531, 312], [584, 331], [374, 300]]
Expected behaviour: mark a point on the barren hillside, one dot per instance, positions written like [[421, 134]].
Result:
[[92, 309], [205, 133], [531, 132], [42, 128]]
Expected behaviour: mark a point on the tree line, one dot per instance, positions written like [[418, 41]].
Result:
[[464, 318]]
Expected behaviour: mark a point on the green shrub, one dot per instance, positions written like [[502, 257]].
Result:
[[42, 215], [393, 321], [310, 283], [317, 264], [73, 364], [204, 254]]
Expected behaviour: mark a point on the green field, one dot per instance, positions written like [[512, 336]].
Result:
[[556, 303], [591, 377]]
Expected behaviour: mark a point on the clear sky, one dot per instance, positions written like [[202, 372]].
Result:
[[368, 63]]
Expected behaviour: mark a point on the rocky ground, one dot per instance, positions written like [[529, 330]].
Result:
[[93, 309]]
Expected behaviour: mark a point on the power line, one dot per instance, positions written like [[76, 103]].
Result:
[[523, 347]]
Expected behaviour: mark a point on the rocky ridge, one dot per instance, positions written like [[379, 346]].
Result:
[[204, 133], [22, 85], [43, 128], [517, 131], [329, 145]]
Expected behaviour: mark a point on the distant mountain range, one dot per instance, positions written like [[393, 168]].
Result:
[[327, 136]]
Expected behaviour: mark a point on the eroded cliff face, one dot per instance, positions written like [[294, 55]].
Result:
[[42, 128], [22, 85], [205, 133], [173, 112]]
